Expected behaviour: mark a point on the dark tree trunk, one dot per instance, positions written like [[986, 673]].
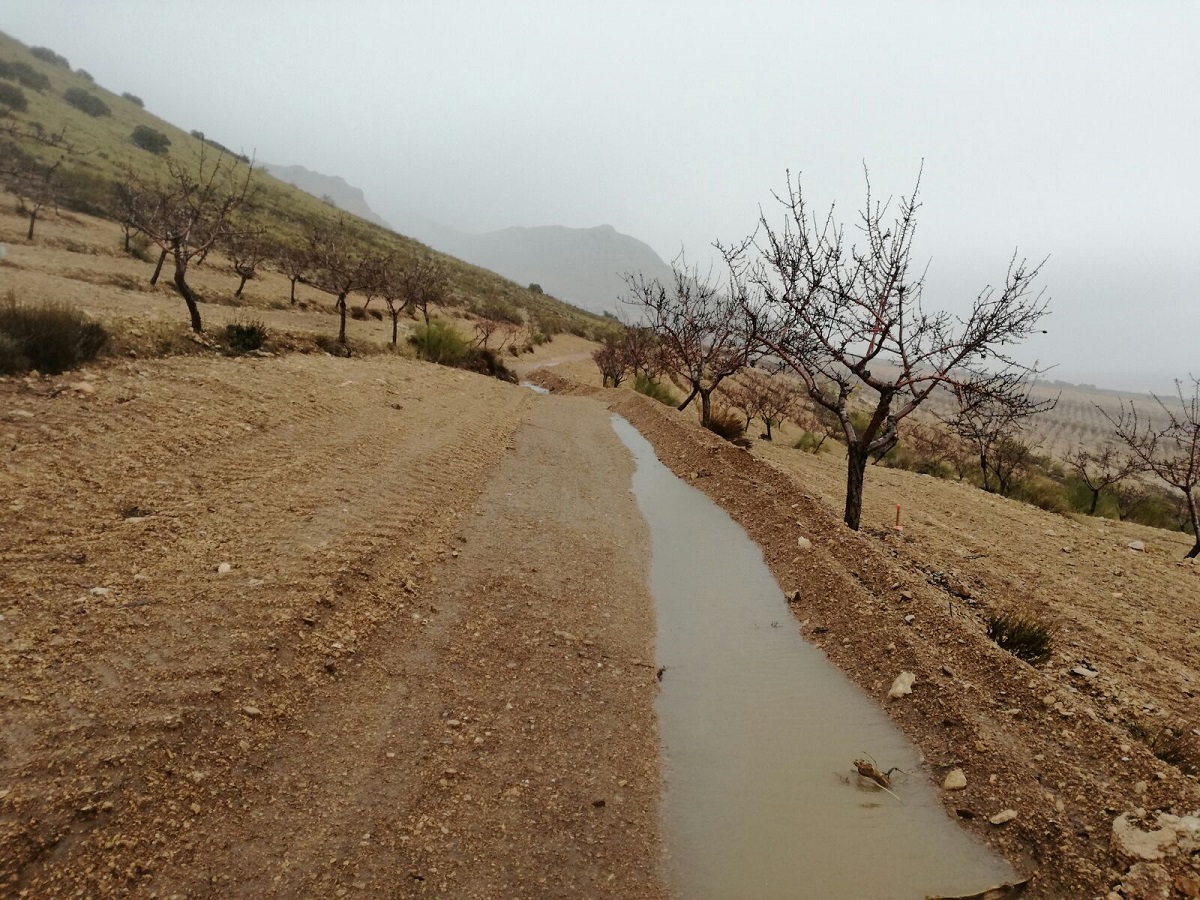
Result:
[[705, 407], [32, 221], [768, 421], [1195, 516], [189, 298], [294, 294], [395, 326], [241, 285], [158, 268], [1095, 501], [690, 398], [127, 234], [856, 468], [341, 305]]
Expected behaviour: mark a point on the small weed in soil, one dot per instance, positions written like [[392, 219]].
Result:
[[244, 336], [1023, 635]]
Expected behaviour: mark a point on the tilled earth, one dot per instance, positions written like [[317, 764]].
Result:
[[304, 626]]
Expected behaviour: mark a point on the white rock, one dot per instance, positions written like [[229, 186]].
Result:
[[956, 780], [224, 569], [83, 387], [803, 543], [1140, 546], [252, 711], [1005, 815], [1084, 672], [902, 686], [1132, 843], [100, 591]]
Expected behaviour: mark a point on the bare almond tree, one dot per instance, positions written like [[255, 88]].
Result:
[[292, 260], [1101, 470], [425, 283], [340, 262], [248, 247], [842, 313], [35, 185], [701, 329], [612, 359], [189, 211], [993, 426], [763, 395], [1167, 443]]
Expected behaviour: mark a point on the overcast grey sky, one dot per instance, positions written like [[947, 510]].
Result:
[[1068, 129]]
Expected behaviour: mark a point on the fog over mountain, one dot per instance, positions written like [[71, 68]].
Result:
[[1063, 129], [332, 188]]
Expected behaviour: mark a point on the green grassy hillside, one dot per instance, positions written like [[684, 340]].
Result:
[[104, 151]]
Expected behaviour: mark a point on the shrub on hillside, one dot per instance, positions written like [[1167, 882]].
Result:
[[134, 99], [438, 342], [13, 98], [45, 54], [1043, 492], [1024, 635], [727, 423], [86, 103], [245, 336], [49, 337], [85, 75], [150, 139], [24, 74], [655, 390], [812, 442]]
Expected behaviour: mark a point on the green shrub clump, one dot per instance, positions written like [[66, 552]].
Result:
[[438, 342], [244, 337], [134, 99], [24, 74], [50, 337], [150, 140], [13, 98], [1023, 635], [86, 103], [654, 390]]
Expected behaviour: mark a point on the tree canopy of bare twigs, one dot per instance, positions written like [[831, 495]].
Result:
[[700, 329], [993, 426], [1101, 470], [35, 185], [612, 359], [424, 282], [842, 312], [1167, 443], [188, 211], [768, 396], [292, 261], [340, 262], [247, 246]]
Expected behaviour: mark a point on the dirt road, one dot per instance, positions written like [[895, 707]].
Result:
[[426, 672]]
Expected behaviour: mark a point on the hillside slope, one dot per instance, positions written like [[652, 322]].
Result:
[[104, 152]]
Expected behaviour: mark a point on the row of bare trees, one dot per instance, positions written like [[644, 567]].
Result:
[[844, 314], [192, 210]]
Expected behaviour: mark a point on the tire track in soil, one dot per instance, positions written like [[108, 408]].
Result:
[[120, 711], [505, 747]]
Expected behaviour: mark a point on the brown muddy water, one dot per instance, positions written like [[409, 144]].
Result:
[[759, 732]]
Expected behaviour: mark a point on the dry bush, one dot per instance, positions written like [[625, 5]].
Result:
[[1023, 634]]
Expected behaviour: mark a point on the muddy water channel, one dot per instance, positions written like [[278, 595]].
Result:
[[759, 732]]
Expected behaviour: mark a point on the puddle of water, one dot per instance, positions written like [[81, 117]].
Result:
[[536, 388], [759, 731]]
